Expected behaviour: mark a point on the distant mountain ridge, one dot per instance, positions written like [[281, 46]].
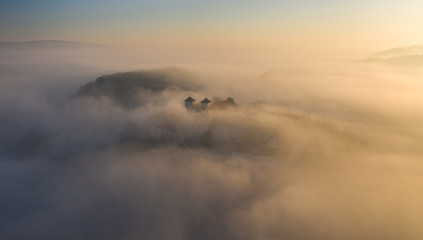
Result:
[[404, 57], [396, 52], [47, 44]]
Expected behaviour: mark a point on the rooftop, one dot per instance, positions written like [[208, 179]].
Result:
[[190, 99], [206, 100]]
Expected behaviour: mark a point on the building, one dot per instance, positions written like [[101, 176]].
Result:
[[190, 103], [206, 104]]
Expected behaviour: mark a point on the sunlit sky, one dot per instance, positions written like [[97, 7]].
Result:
[[252, 24]]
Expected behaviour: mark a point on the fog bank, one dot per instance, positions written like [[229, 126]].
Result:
[[78, 160]]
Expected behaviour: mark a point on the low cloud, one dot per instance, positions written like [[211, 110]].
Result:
[[83, 164]]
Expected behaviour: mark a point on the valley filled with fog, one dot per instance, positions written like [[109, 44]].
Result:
[[78, 159]]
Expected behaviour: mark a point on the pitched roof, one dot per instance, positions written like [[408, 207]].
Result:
[[206, 100], [189, 99]]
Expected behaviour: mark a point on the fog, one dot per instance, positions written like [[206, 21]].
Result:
[[78, 160]]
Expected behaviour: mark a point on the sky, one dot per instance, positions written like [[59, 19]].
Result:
[[200, 24], [78, 159]]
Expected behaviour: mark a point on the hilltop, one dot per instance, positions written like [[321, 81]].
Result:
[[133, 89]]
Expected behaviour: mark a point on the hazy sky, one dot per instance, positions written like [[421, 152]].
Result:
[[252, 24]]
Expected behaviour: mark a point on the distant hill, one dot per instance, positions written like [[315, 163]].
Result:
[[401, 61], [132, 89], [411, 57], [397, 52], [46, 44]]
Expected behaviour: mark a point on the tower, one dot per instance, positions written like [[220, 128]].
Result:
[[190, 103], [206, 104]]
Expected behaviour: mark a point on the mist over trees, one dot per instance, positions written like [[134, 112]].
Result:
[[126, 88], [77, 160]]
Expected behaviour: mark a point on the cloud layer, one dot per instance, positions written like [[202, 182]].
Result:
[[85, 167]]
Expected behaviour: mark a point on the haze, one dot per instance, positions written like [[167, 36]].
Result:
[[206, 26], [323, 141]]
